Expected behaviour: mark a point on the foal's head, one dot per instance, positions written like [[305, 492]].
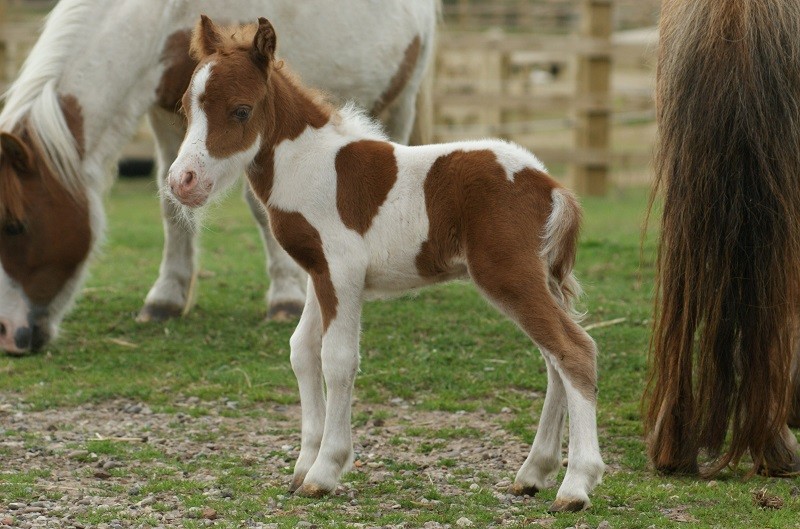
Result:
[[227, 108]]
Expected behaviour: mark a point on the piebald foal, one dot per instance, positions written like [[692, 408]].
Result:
[[367, 217]]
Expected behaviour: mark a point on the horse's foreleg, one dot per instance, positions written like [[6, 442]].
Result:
[[339, 367], [286, 279], [544, 459], [306, 344], [401, 115], [172, 293]]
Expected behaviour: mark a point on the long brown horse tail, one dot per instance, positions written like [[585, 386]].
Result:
[[559, 246], [728, 266]]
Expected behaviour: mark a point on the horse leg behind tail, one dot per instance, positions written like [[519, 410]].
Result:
[[728, 280]]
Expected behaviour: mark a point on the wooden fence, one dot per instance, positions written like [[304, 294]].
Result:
[[523, 85]]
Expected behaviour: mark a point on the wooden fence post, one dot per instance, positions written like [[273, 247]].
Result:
[[593, 112]]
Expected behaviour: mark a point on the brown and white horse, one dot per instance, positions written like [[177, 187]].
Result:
[[724, 347], [97, 68], [367, 217]]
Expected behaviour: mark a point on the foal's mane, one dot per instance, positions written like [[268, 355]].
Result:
[[32, 101]]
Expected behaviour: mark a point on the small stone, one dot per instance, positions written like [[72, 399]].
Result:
[[77, 454], [29, 510], [305, 525], [604, 525], [503, 484], [9, 521], [464, 522], [16, 506], [135, 490], [108, 465], [474, 486], [271, 526], [232, 404], [711, 484], [505, 409], [101, 474], [149, 500], [209, 514]]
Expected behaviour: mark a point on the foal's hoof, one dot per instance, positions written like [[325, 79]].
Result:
[[296, 483], [159, 312], [309, 490], [568, 505], [286, 311], [518, 489]]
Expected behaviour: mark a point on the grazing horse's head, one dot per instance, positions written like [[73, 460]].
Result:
[[45, 237], [227, 108]]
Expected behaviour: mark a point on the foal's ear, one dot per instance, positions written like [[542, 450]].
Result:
[[15, 150], [206, 39], [264, 42]]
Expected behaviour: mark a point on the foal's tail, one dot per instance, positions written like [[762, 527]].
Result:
[[559, 245], [728, 280]]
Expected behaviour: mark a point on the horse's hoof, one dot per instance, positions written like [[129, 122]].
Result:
[[296, 483], [309, 490], [790, 471], [568, 505], [150, 313], [518, 489], [283, 312]]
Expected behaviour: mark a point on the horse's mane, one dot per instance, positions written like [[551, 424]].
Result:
[[32, 101]]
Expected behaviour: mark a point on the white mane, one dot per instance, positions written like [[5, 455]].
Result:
[[33, 95], [357, 123]]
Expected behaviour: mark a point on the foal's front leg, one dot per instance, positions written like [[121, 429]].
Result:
[[306, 345], [339, 367]]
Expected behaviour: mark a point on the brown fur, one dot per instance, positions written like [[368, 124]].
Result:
[[400, 79], [73, 114], [302, 241], [366, 171], [728, 287], [56, 239], [178, 69], [474, 214]]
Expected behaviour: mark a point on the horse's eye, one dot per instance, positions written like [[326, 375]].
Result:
[[242, 113], [13, 228]]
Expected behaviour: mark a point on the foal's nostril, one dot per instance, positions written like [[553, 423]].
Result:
[[3, 329], [188, 180]]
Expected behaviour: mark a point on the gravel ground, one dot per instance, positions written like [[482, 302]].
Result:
[[72, 483]]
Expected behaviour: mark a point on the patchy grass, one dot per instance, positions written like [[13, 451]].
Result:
[[448, 397]]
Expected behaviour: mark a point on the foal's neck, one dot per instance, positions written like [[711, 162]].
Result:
[[295, 108]]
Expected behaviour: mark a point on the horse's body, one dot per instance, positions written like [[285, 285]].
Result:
[[725, 340], [98, 68], [368, 217]]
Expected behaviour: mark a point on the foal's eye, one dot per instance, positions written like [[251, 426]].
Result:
[[242, 113], [13, 228]]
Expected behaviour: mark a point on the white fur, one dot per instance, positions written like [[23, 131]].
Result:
[[107, 55], [381, 262]]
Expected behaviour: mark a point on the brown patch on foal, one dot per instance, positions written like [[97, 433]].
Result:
[[400, 78], [366, 171], [46, 230], [73, 115], [303, 242], [178, 69], [475, 212]]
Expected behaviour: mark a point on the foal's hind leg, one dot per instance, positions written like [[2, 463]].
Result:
[[172, 293], [520, 289], [286, 279], [306, 346], [544, 459]]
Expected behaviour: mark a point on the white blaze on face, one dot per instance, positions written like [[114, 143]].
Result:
[[214, 175], [13, 312]]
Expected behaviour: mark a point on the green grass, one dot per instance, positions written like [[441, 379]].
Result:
[[441, 349]]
